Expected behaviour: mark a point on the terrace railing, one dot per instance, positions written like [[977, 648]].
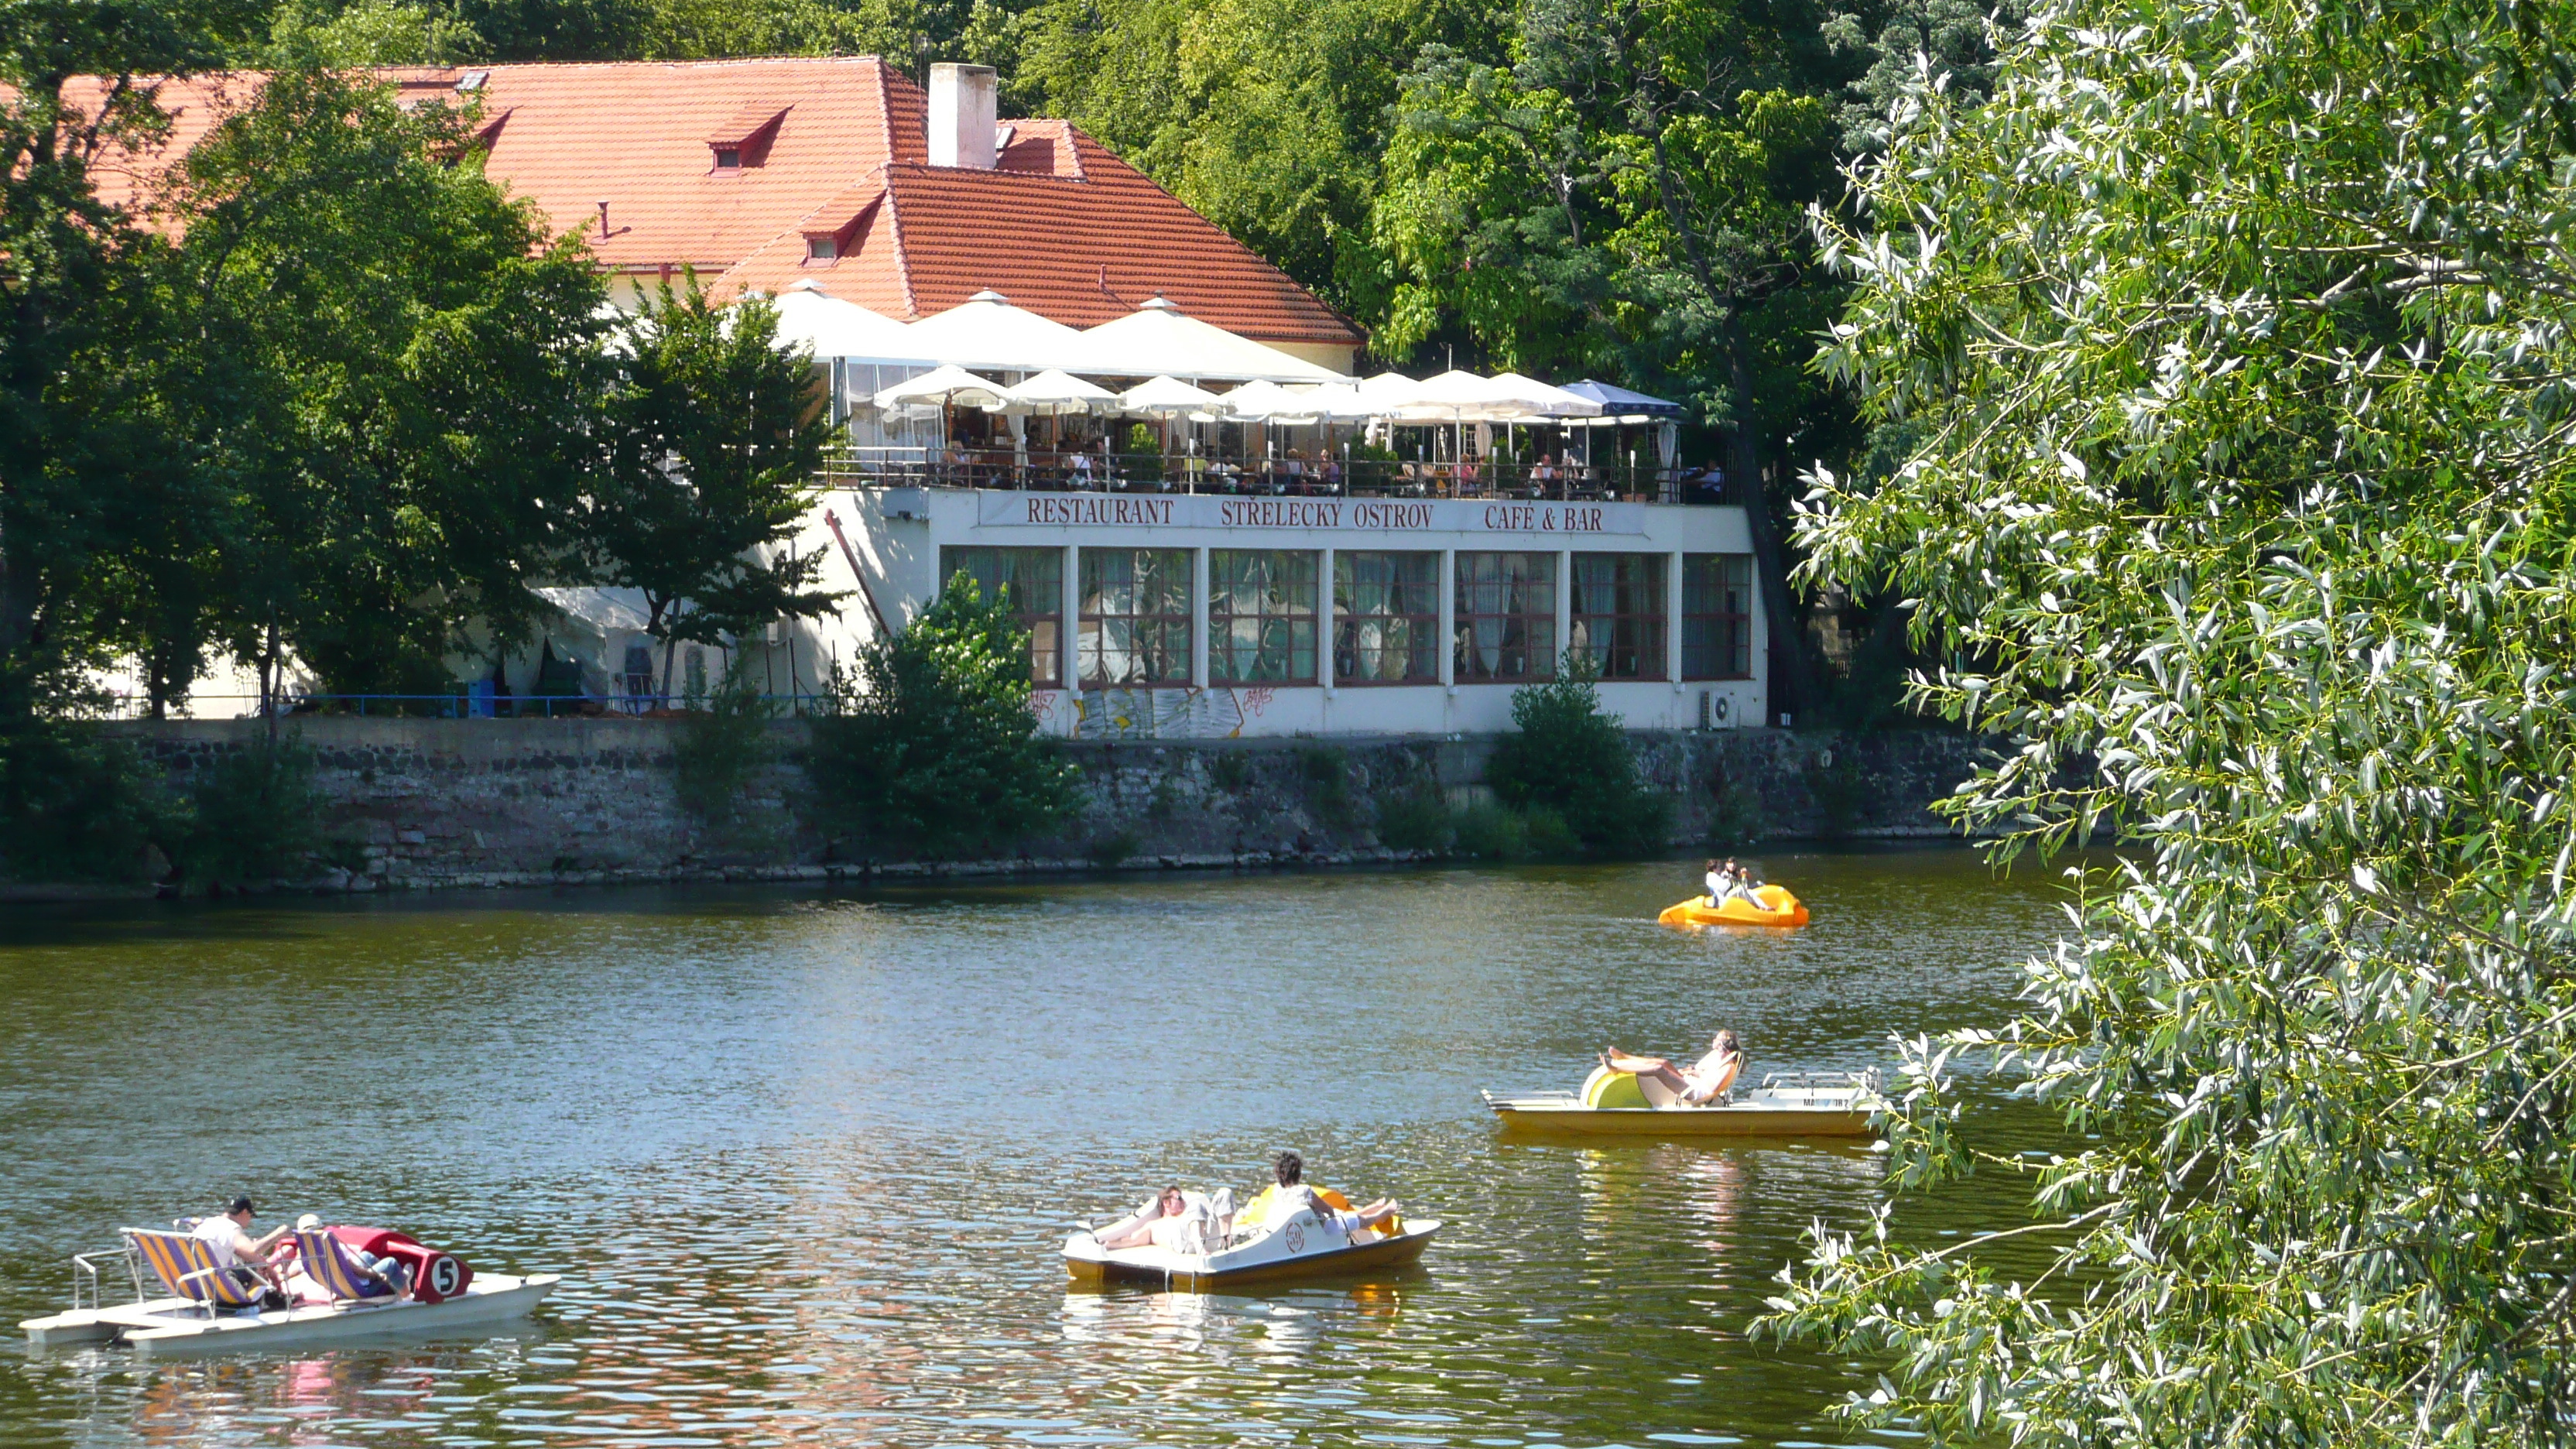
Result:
[[1364, 478]]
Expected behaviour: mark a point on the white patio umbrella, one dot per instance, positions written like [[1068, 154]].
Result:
[[1543, 400], [1055, 392], [1169, 397], [941, 387], [1267, 401], [1158, 337], [1051, 395], [986, 331]]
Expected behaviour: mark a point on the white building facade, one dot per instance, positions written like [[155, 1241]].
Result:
[[1180, 616]]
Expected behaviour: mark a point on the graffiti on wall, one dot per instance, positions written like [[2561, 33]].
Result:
[[1166, 714]]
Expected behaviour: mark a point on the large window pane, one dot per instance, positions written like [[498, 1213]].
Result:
[[1261, 616], [1386, 618], [1506, 613], [1033, 580], [1717, 616], [1135, 616], [1618, 615]]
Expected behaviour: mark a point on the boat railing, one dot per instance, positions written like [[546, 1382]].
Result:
[[1811, 1082], [83, 1268]]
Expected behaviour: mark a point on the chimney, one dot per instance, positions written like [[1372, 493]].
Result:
[[961, 116]]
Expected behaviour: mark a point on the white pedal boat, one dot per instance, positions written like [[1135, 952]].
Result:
[[1787, 1104], [1303, 1247], [165, 1327], [450, 1297]]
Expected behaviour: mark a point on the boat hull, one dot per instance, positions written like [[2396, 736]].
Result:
[[1575, 1119], [1783, 909], [173, 1327], [1087, 1262]]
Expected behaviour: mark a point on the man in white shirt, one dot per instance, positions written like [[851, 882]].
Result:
[[227, 1234], [1293, 1196]]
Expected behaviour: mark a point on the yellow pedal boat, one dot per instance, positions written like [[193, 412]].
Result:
[[1787, 1104], [1778, 908]]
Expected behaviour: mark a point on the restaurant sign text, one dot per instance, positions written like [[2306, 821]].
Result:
[[1356, 515]]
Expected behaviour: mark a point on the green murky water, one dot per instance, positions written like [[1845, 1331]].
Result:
[[806, 1160]]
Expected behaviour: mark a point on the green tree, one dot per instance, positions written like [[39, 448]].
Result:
[[715, 440], [392, 379], [1567, 757], [1628, 194], [81, 454], [933, 745], [2236, 337], [1268, 116]]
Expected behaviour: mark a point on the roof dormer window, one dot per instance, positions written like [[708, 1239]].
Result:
[[822, 248], [743, 141]]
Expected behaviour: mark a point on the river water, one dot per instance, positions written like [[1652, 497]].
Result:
[[806, 1160]]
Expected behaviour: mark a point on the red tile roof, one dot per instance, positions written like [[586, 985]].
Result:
[[1061, 226]]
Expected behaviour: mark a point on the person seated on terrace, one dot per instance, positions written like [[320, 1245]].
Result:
[[1332, 473], [1698, 1084]]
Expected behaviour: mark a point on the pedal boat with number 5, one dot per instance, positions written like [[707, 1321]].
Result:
[[201, 1309], [1302, 1247], [1616, 1104]]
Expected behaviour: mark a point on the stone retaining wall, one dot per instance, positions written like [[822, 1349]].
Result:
[[427, 803]]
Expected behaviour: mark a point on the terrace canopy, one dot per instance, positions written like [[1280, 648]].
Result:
[[834, 328], [1159, 338], [986, 331]]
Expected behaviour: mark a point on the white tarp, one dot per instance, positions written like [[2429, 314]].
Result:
[[1159, 338], [1458, 396], [1543, 400]]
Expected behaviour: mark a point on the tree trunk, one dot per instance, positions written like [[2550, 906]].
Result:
[[1792, 682]]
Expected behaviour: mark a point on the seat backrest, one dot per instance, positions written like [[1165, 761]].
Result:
[[325, 1260], [182, 1262]]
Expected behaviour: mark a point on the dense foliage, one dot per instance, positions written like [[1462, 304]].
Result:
[[714, 448], [933, 746], [2237, 337], [1567, 765]]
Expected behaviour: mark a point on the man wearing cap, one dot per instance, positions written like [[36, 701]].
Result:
[[246, 1257]]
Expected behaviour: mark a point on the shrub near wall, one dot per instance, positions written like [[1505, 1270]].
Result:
[[1568, 770], [933, 748]]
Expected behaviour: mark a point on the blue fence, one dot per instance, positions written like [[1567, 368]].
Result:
[[479, 703]]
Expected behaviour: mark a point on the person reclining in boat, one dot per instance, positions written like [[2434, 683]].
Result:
[[1702, 1082], [227, 1234], [1292, 1196], [1182, 1222], [386, 1276]]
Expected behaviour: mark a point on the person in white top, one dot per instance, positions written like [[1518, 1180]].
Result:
[[227, 1234], [1293, 1197], [1698, 1084]]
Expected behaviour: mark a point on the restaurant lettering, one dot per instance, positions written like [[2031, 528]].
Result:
[[1058, 509], [1535, 518]]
